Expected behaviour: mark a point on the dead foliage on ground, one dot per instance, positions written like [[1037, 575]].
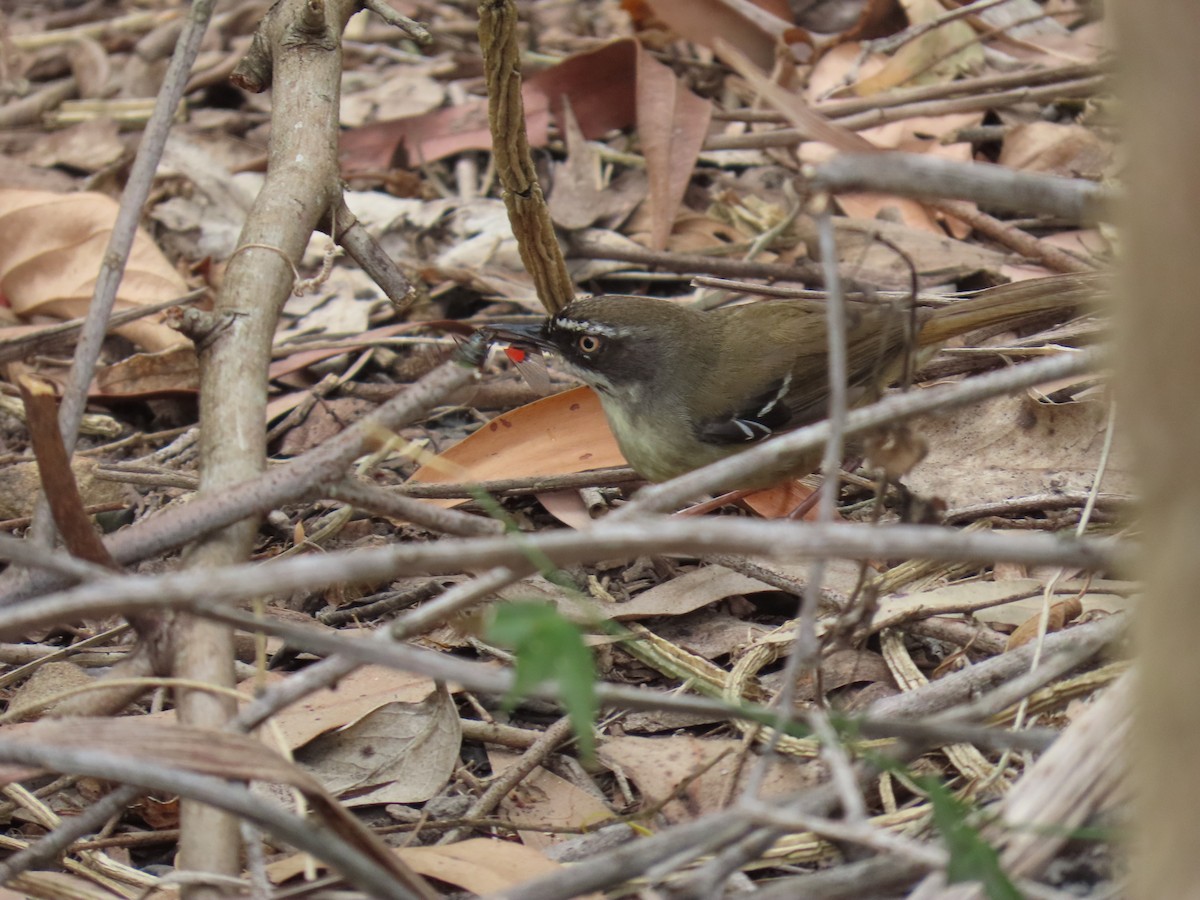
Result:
[[388, 542]]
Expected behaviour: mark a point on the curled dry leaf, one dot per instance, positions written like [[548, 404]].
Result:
[[547, 799], [1015, 447], [747, 26], [397, 753], [937, 55], [672, 124], [480, 865], [556, 435], [1060, 614], [698, 772], [51, 249], [356, 695], [20, 485], [687, 593]]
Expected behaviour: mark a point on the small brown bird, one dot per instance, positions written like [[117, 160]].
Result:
[[683, 387]]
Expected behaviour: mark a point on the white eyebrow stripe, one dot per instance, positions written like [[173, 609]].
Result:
[[589, 327]]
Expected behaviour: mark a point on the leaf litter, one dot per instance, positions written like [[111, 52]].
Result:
[[651, 149]]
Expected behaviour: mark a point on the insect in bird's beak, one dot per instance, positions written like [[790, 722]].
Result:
[[524, 350]]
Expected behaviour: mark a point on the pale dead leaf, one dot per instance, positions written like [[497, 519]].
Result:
[[48, 680], [672, 124], [51, 248], [397, 753], [20, 485], [580, 197], [173, 371], [1072, 151], [1014, 447], [88, 147], [1057, 618], [660, 766], [566, 506], [841, 669], [935, 56], [372, 96], [556, 435], [691, 231], [91, 66], [1096, 600], [687, 593], [744, 25], [936, 257], [356, 695], [480, 865], [547, 799], [792, 106], [330, 416], [995, 602], [709, 633]]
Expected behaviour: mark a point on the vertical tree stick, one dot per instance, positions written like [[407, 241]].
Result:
[[1159, 324], [523, 197]]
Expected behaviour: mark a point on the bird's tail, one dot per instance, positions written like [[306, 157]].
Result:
[[1009, 302]]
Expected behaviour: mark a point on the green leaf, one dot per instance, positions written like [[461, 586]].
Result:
[[549, 648], [971, 857]]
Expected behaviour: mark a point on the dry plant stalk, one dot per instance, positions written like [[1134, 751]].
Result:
[[523, 196]]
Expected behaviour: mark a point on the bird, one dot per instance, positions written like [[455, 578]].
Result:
[[682, 387]]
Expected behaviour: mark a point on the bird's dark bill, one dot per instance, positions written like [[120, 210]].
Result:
[[525, 345]]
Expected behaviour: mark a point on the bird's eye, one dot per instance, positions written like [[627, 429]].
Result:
[[589, 343]]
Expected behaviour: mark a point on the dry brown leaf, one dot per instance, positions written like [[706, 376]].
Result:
[[57, 477], [205, 752], [672, 125], [840, 669], [687, 593], [600, 85], [328, 417], [1060, 614], [709, 633], [937, 55], [91, 66], [48, 680], [792, 106], [749, 27], [143, 375], [88, 147], [691, 231], [1072, 151], [876, 19], [19, 487], [1015, 447], [579, 198], [545, 798], [481, 865], [661, 766], [356, 695], [566, 506], [556, 435], [781, 500], [396, 753], [1098, 599], [51, 248]]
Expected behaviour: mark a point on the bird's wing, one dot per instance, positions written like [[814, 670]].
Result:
[[762, 416]]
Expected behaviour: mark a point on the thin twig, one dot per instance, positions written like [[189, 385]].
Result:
[[133, 200]]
